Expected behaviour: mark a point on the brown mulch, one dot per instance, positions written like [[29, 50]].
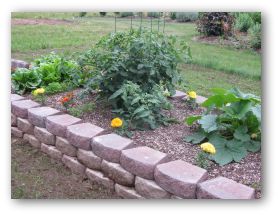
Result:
[[39, 22], [170, 140]]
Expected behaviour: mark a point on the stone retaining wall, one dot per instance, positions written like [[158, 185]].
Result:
[[113, 161]]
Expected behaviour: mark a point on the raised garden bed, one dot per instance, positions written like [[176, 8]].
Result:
[[169, 139]]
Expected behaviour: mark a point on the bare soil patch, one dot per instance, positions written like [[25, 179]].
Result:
[[238, 40], [40, 22], [170, 140], [36, 176]]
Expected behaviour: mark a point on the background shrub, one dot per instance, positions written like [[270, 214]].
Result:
[[256, 17], [126, 14], [255, 36], [211, 23], [102, 13], [186, 16], [154, 14], [173, 15], [243, 22], [82, 14]]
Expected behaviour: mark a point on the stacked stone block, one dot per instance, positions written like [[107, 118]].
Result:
[[114, 161]]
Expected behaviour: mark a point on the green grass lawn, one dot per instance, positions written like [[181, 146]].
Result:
[[212, 65]]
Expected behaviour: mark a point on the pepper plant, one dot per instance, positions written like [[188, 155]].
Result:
[[232, 123]]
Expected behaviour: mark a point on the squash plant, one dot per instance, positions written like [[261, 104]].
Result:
[[232, 123]]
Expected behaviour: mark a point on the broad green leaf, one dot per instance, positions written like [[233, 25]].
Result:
[[217, 141], [208, 122], [216, 100], [223, 156], [253, 146], [257, 111], [241, 134], [190, 120], [219, 91], [196, 138], [219, 100], [237, 149]]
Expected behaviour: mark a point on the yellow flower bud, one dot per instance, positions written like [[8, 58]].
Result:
[[254, 136], [208, 147]]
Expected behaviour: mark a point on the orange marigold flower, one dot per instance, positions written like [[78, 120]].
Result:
[[65, 99]]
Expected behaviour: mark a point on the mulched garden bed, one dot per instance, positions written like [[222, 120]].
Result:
[[170, 140]]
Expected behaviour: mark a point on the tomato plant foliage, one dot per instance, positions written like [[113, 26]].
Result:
[[131, 68]]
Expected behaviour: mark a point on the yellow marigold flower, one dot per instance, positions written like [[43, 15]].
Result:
[[116, 123], [192, 94], [208, 147], [39, 91]]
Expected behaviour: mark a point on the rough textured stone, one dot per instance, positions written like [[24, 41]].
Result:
[[32, 140], [149, 189], [52, 151], [127, 192], [99, 178], [20, 108], [89, 159], [19, 64], [200, 99], [80, 135], [15, 97], [16, 132], [224, 188], [58, 124], [178, 95], [117, 173], [175, 197], [109, 146], [38, 115], [25, 126], [13, 120], [141, 161], [65, 147], [180, 178], [44, 136], [72, 163]]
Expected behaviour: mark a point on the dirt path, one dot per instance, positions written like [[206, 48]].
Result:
[[36, 176], [40, 22]]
